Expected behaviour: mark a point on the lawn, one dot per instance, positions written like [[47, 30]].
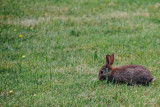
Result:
[[51, 51]]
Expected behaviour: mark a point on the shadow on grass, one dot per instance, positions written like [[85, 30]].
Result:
[[6, 70], [120, 84]]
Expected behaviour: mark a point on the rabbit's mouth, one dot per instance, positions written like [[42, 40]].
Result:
[[103, 78]]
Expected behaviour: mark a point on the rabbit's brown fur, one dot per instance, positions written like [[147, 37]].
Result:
[[131, 74]]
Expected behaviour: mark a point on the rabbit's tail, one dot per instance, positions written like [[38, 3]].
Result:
[[152, 79]]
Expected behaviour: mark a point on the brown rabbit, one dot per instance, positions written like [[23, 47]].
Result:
[[131, 74]]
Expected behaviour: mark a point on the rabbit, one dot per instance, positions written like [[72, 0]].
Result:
[[130, 74]]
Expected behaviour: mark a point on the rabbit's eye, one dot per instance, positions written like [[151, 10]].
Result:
[[101, 72]]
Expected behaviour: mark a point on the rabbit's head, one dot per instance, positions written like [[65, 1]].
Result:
[[108, 65]]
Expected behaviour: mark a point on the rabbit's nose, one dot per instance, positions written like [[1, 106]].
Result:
[[101, 72]]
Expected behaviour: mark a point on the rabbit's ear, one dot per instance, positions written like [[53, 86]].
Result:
[[112, 59], [108, 60]]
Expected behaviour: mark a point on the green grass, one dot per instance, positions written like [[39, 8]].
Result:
[[64, 44]]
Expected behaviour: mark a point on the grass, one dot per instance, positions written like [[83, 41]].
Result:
[[64, 44]]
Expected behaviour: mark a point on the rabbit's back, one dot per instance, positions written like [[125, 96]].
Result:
[[131, 74]]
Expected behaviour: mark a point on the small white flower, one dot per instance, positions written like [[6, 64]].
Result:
[[10, 91]]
